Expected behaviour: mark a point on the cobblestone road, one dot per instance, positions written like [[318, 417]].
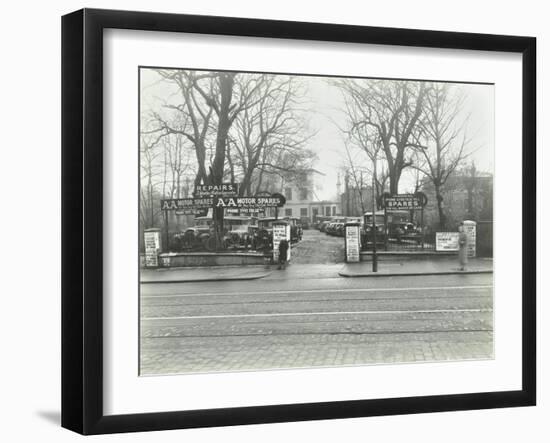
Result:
[[318, 247], [266, 324]]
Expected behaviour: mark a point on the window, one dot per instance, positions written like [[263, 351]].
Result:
[[334, 210], [288, 212], [327, 210], [288, 193], [303, 212], [303, 193]]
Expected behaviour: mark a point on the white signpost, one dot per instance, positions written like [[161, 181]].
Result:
[[281, 231], [470, 230], [152, 247], [352, 243], [446, 241]]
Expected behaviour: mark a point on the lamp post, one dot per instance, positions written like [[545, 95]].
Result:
[[374, 256]]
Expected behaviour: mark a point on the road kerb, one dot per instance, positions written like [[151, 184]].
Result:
[[411, 274], [209, 279]]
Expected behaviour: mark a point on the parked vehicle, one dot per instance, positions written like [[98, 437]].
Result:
[[400, 228], [321, 221], [195, 237], [323, 225], [238, 232], [330, 229], [339, 229], [368, 231], [263, 236], [401, 231], [296, 230]]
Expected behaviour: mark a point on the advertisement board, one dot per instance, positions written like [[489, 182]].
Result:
[[152, 247], [470, 228], [281, 231], [352, 243], [446, 241]]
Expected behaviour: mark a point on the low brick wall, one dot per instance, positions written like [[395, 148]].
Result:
[[405, 255], [190, 259]]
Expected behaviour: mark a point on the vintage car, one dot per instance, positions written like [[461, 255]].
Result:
[[323, 225], [401, 231], [321, 221], [329, 229], [195, 237], [336, 226], [263, 237], [238, 232], [367, 229], [296, 229], [336, 229]]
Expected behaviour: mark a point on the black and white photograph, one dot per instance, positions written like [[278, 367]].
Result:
[[291, 221]]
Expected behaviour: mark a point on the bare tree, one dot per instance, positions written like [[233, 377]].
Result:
[[388, 112], [442, 140], [176, 165], [270, 136], [149, 154], [209, 105], [191, 117], [355, 172], [359, 136]]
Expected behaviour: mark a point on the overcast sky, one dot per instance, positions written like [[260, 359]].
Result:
[[325, 103]]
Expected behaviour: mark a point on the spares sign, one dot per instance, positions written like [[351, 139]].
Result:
[[249, 202], [182, 204], [404, 202]]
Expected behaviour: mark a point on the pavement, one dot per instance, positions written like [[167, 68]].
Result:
[[440, 266], [201, 274], [319, 256], [409, 267]]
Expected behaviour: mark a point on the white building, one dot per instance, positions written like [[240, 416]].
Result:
[[301, 197]]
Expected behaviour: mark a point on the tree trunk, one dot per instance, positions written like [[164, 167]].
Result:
[[260, 179], [440, 211], [224, 123], [394, 181]]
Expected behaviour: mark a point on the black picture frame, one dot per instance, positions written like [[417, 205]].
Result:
[[82, 218]]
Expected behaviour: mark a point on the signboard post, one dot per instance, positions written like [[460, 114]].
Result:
[[352, 242], [281, 231], [470, 230], [446, 241], [152, 247]]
